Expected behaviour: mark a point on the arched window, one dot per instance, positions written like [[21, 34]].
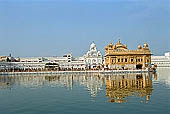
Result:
[[125, 59], [94, 61], [122, 60], [89, 61]]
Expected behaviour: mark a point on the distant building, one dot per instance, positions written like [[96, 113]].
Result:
[[74, 64], [161, 61], [7, 58], [31, 62], [119, 57], [8, 62], [43, 62], [93, 57], [3, 58], [66, 62]]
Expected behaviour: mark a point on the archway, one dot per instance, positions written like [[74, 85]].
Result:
[[139, 66]]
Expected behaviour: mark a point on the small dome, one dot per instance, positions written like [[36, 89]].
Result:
[[110, 44], [93, 46], [125, 46], [145, 45], [139, 47], [114, 47], [99, 53], [119, 44]]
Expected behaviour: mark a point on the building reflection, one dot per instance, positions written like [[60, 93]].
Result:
[[118, 87], [93, 83]]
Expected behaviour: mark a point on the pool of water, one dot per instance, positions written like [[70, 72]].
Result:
[[86, 94]]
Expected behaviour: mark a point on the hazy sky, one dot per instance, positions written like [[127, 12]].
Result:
[[56, 27]]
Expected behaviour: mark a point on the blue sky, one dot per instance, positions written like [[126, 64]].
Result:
[[56, 27]]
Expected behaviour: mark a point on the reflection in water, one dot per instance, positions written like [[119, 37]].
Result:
[[118, 87], [163, 76], [93, 83]]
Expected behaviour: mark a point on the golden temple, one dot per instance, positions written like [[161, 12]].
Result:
[[119, 57]]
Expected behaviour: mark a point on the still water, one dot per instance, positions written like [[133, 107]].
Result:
[[86, 94]]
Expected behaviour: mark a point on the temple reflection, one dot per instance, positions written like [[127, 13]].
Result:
[[118, 87]]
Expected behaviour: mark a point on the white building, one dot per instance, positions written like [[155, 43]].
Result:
[[161, 61], [32, 63], [73, 64], [66, 62], [40, 62], [91, 60], [93, 57]]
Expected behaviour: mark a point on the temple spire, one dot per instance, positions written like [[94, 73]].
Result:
[[118, 40]]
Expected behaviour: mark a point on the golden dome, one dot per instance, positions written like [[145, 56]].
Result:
[[145, 45], [110, 44], [114, 47], [119, 44], [125, 46], [139, 47]]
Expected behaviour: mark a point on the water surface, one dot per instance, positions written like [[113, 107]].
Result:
[[86, 94]]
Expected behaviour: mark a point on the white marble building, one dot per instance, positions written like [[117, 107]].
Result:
[[40, 62], [161, 61], [93, 58]]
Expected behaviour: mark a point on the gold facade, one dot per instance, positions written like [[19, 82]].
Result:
[[119, 57]]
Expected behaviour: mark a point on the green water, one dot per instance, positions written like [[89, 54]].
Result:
[[86, 94]]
